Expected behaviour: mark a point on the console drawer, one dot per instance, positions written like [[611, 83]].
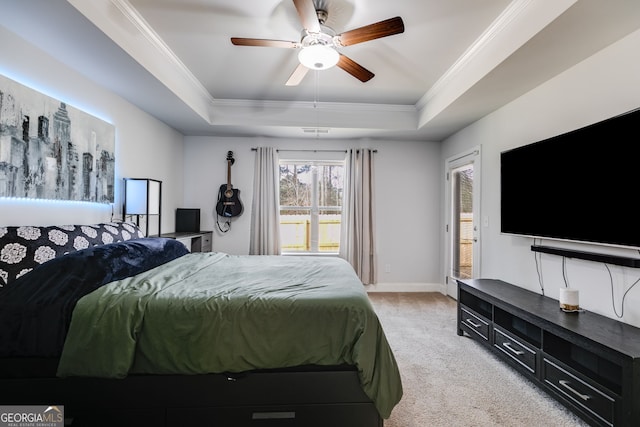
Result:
[[515, 349], [474, 322], [598, 403]]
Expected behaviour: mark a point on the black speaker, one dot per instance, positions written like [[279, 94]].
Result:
[[188, 220]]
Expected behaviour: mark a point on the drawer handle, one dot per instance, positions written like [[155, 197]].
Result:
[[273, 415], [513, 350], [565, 384], [472, 323]]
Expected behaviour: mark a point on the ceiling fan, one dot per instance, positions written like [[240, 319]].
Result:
[[318, 44]]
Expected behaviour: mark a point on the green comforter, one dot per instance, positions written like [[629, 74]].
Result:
[[214, 312]]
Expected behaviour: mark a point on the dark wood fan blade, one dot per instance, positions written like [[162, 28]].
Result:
[[308, 16], [297, 75], [240, 41], [380, 29], [355, 69]]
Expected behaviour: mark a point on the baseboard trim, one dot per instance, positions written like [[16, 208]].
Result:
[[406, 287]]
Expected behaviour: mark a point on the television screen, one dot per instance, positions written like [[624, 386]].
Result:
[[187, 220], [579, 186]]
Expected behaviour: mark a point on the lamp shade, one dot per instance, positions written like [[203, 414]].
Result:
[[318, 57], [136, 197], [143, 196]]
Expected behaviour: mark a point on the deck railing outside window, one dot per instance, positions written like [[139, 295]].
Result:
[[466, 246], [296, 234]]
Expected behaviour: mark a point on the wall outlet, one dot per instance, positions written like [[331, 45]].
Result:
[[387, 268]]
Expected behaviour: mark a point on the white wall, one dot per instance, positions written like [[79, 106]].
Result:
[[145, 147], [407, 198], [605, 85], [192, 170]]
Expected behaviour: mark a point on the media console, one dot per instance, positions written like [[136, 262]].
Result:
[[589, 363]]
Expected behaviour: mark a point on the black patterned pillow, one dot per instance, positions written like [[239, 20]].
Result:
[[23, 248]]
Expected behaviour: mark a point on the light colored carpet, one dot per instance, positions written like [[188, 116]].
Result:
[[450, 380]]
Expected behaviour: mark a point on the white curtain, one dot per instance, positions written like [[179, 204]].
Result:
[[265, 208], [357, 243]]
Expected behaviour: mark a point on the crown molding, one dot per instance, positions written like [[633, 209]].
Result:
[[498, 27], [515, 26], [156, 41], [314, 114], [119, 21], [318, 105]]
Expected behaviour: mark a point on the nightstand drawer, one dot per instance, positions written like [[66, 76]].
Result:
[[474, 323], [515, 349], [206, 242], [596, 402]]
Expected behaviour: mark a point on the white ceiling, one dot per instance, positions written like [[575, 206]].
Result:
[[456, 61]]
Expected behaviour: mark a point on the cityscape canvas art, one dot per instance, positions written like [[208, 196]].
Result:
[[50, 150]]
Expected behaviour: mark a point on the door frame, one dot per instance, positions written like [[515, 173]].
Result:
[[471, 156]]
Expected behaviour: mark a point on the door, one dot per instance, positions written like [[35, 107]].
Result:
[[462, 230]]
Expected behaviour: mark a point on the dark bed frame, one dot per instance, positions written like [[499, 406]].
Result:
[[305, 396], [308, 396]]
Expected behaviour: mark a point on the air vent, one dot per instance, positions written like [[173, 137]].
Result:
[[315, 130]]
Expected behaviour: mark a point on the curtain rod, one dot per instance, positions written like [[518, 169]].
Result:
[[314, 151]]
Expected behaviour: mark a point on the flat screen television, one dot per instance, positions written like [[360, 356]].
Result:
[[580, 186]]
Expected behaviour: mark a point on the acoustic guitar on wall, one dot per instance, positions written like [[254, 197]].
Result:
[[229, 204]]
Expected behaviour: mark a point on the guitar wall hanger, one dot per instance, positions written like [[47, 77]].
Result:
[[229, 204]]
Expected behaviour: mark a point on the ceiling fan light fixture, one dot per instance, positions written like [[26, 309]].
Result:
[[318, 56]]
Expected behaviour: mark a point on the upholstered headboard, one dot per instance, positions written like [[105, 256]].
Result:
[[22, 248]]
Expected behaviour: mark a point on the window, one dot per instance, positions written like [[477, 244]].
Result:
[[311, 195]]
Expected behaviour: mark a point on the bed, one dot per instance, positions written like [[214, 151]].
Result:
[[126, 330]]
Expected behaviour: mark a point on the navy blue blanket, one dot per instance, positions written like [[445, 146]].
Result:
[[35, 309]]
